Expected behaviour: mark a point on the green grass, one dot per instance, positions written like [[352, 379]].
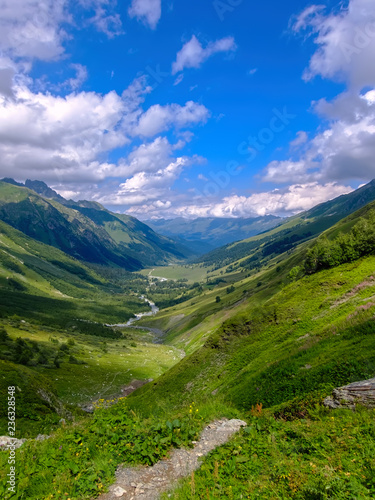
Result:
[[260, 353], [79, 461], [102, 367], [329, 455], [268, 352]]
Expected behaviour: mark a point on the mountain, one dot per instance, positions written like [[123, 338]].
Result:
[[205, 234], [253, 252], [266, 347], [84, 230]]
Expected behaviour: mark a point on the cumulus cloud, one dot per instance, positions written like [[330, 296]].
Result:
[[345, 40], [285, 202], [343, 151], [66, 140], [150, 187], [301, 139], [193, 54], [160, 118], [32, 28], [147, 11]]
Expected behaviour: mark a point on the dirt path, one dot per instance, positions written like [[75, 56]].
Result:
[[147, 483]]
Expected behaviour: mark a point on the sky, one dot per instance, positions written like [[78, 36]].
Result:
[[189, 108]]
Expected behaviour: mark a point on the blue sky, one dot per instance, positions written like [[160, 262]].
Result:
[[162, 108]]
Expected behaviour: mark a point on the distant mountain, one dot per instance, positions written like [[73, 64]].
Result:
[[252, 252], [84, 230], [44, 190], [205, 234]]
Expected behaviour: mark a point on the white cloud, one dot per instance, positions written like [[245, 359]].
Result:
[[301, 139], [147, 187], [32, 28], [147, 157], [59, 137], [65, 141], [346, 42], [147, 11], [289, 201], [160, 118], [343, 151], [193, 55], [105, 18], [81, 76]]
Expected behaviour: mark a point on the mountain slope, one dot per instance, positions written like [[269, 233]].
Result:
[[255, 251], [84, 230], [209, 233], [277, 335], [41, 282]]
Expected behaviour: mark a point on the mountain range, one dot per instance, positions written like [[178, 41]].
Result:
[[206, 233], [84, 230]]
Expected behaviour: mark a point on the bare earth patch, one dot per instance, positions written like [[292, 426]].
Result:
[[147, 483], [365, 284]]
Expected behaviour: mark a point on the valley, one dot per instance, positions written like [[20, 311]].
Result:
[[261, 330]]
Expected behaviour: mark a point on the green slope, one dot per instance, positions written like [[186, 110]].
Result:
[[278, 339], [293, 231], [41, 282], [283, 340], [84, 230]]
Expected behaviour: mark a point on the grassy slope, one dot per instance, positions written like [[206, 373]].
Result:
[[86, 231], [261, 353], [282, 344], [107, 364], [294, 230], [41, 282]]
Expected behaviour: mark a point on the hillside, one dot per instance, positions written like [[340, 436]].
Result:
[[41, 282], [205, 234], [84, 230], [254, 252], [256, 352]]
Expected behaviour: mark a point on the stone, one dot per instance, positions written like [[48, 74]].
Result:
[[349, 396], [119, 492], [5, 441]]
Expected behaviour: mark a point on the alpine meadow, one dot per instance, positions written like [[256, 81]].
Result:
[[187, 250]]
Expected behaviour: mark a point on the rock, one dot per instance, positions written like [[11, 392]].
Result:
[[6, 441], [362, 393], [42, 437], [119, 492]]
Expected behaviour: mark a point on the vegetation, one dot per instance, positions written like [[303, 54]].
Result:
[[346, 247], [327, 455], [79, 461], [264, 343], [84, 230]]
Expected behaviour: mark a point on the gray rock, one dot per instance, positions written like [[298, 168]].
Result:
[[349, 396], [6, 441], [119, 492]]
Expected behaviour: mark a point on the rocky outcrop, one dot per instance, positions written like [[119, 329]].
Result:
[[349, 396]]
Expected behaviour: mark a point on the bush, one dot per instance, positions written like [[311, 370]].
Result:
[[359, 242]]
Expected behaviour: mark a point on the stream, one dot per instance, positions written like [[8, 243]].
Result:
[[158, 339]]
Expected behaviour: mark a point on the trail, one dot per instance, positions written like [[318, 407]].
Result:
[[147, 483]]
